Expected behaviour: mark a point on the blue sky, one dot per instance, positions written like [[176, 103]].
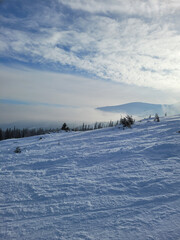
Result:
[[57, 54]]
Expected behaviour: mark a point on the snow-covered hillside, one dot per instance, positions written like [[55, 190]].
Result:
[[103, 184]]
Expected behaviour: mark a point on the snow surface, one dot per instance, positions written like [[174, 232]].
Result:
[[103, 184]]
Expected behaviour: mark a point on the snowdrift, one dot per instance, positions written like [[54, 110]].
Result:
[[103, 184]]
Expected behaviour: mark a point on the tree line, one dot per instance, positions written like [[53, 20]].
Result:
[[25, 132], [127, 121]]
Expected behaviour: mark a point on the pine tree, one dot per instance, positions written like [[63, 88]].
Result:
[[1, 134], [156, 118], [65, 127]]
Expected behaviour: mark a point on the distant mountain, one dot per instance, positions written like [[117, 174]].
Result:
[[142, 109]]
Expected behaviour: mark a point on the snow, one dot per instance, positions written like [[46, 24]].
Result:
[[102, 184]]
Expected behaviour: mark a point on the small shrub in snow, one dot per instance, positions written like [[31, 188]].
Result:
[[65, 127], [156, 118], [17, 150], [127, 121]]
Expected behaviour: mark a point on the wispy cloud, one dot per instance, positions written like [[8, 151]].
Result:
[[131, 42], [147, 8]]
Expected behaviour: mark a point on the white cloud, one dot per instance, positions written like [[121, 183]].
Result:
[[80, 95], [134, 42], [147, 8], [54, 88]]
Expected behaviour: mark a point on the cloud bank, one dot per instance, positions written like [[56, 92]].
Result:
[[34, 95]]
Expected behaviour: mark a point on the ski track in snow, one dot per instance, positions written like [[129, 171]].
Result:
[[102, 184]]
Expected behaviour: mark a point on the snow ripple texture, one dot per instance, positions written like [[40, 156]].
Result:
[[103, 184]]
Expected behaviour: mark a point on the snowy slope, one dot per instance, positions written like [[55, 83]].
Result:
[[104, 184]]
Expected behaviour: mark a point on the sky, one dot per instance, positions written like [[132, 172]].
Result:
[[60, 59]]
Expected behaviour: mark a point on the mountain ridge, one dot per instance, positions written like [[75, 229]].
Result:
[[142, 108]]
